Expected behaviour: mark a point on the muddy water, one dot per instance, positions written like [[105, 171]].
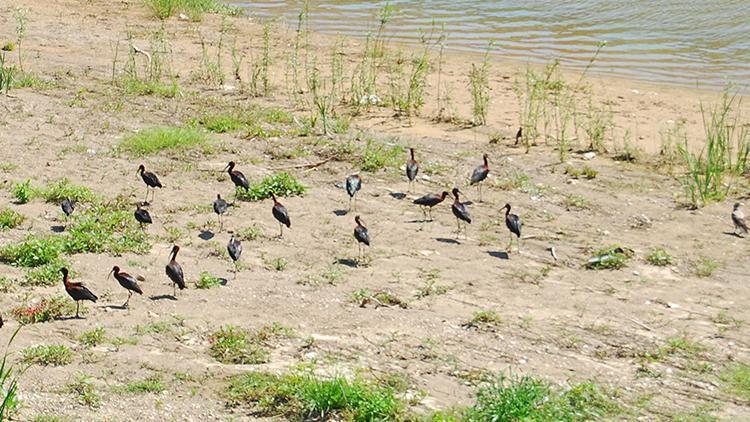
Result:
[[687, 42]]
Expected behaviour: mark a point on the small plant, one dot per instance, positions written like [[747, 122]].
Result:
[[612, 258], [278, 264], [736, 380], [46, 310], [55, 355], [586, 172], [231, 345], [725, 321], [173, 139], [93, 337], [33, 251], [62, 189], [45, 275], [207, 281], [281, 184], [85, 391], [107, 227], [486, 319], [10, 219], [704, 267], [250, 233], [163, 9], [151, 384], [22, 191], [8, 382], [683, 345], [431, 288], [377, 156], [6, 284], [659, 257], [479, 86]]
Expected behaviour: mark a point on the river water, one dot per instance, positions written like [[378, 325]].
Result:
[[688, 42]]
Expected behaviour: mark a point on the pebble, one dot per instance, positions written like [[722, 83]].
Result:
[[636, 273], [589, 155]]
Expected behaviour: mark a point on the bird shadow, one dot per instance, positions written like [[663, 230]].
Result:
[[498, 254], [341, 213], [415, 221], [68, 318], [163, 297], [348, 262], [118, 307], [447, 240], [206, 235], [735, 234], [57, 229], [398, 195]]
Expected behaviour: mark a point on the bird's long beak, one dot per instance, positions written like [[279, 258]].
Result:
[[110, 273], [226, 168]]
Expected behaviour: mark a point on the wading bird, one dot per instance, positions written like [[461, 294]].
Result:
[[519, 134], [430, 200], [127, 281], [412, 168], [234, 247], [353, 185], [360, 233], [142, 216], [237, 177], [174, 271], [281, 215], [68, 207], [513, 223], [480, 173], [151, 181], [220, 207], [77, 291], [461, 212], [738, 218]]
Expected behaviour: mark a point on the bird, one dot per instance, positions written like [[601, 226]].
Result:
[[360, 233], [513, 223], [480, 173], [127, 281], [430, 200], [237, 177], [77, 291], [353, 185], [174, 270], [152, 182], [220, 207], [460, 211], [412, 168], [281, 215], [142, 216], [68, 207], [234, 247], [738, 218], [519, 135]]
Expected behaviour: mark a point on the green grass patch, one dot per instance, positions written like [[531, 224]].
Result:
[[54, 355], [46, 310], [250, 233], [85, 391], [251, 121], [47, 274], [736, 380], [299, 396], [7, 285], [233, 345], [280, 184], [704, 267], [377, 156], [55, 192], [172, 139], [207, 281], [108, 228], [134, 86], [22, 192], [659, 257], [487, 319], [612, 258], [532, 399], [163, 9], [151, 384], [10, 219], [93, 337], [33, 251]]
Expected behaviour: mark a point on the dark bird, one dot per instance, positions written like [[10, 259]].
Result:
[[738, 218], [220, 207], [127, 281], [480, 173], [152, 182], [174, 270], [519, 134], [237, 177], [353, 185], [281, 215], [513, 223], [234, 247], [68, 207], [430, 200], [412, 168], [77, 291], [142, 216], [1, 321], [460, 211], [360, 233]]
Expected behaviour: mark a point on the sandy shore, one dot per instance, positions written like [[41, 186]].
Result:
[[557, 320]]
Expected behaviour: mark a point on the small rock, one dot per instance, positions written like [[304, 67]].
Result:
[[589, 155], [184, 17], [636, 273], [228, 87], [426, 177], [672, 305]]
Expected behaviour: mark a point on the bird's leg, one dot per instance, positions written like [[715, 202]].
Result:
[[350, 203], [281, 230], [78, 305], [458, 231], [145, 202], [479, 186], [519, 244], [174, 289], [125, 305], [510, 242]]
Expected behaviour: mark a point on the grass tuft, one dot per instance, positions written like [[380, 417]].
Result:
[[55, 355], [163, 9], [93, 337], [736, 380], [207, 281], [46, 310], [232, 345], [158, 139], [612, 258], [704, 267], [378, 156], [281, 184], [10, 219], [106, 228], [659, 257], [151, 384], [85, 391], [33, 251]]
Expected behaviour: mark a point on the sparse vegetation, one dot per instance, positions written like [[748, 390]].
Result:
[[54, 192], [163, 9], [233, 345], [659, 257], [207, 281], [612, 258], [92, 337], [704, 267], [46, 310], [281, 184], [377, 156], [170, 139], [85, 391], [151, 384], [736, 380], [485, 319], [10, 219], [54, 355]]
